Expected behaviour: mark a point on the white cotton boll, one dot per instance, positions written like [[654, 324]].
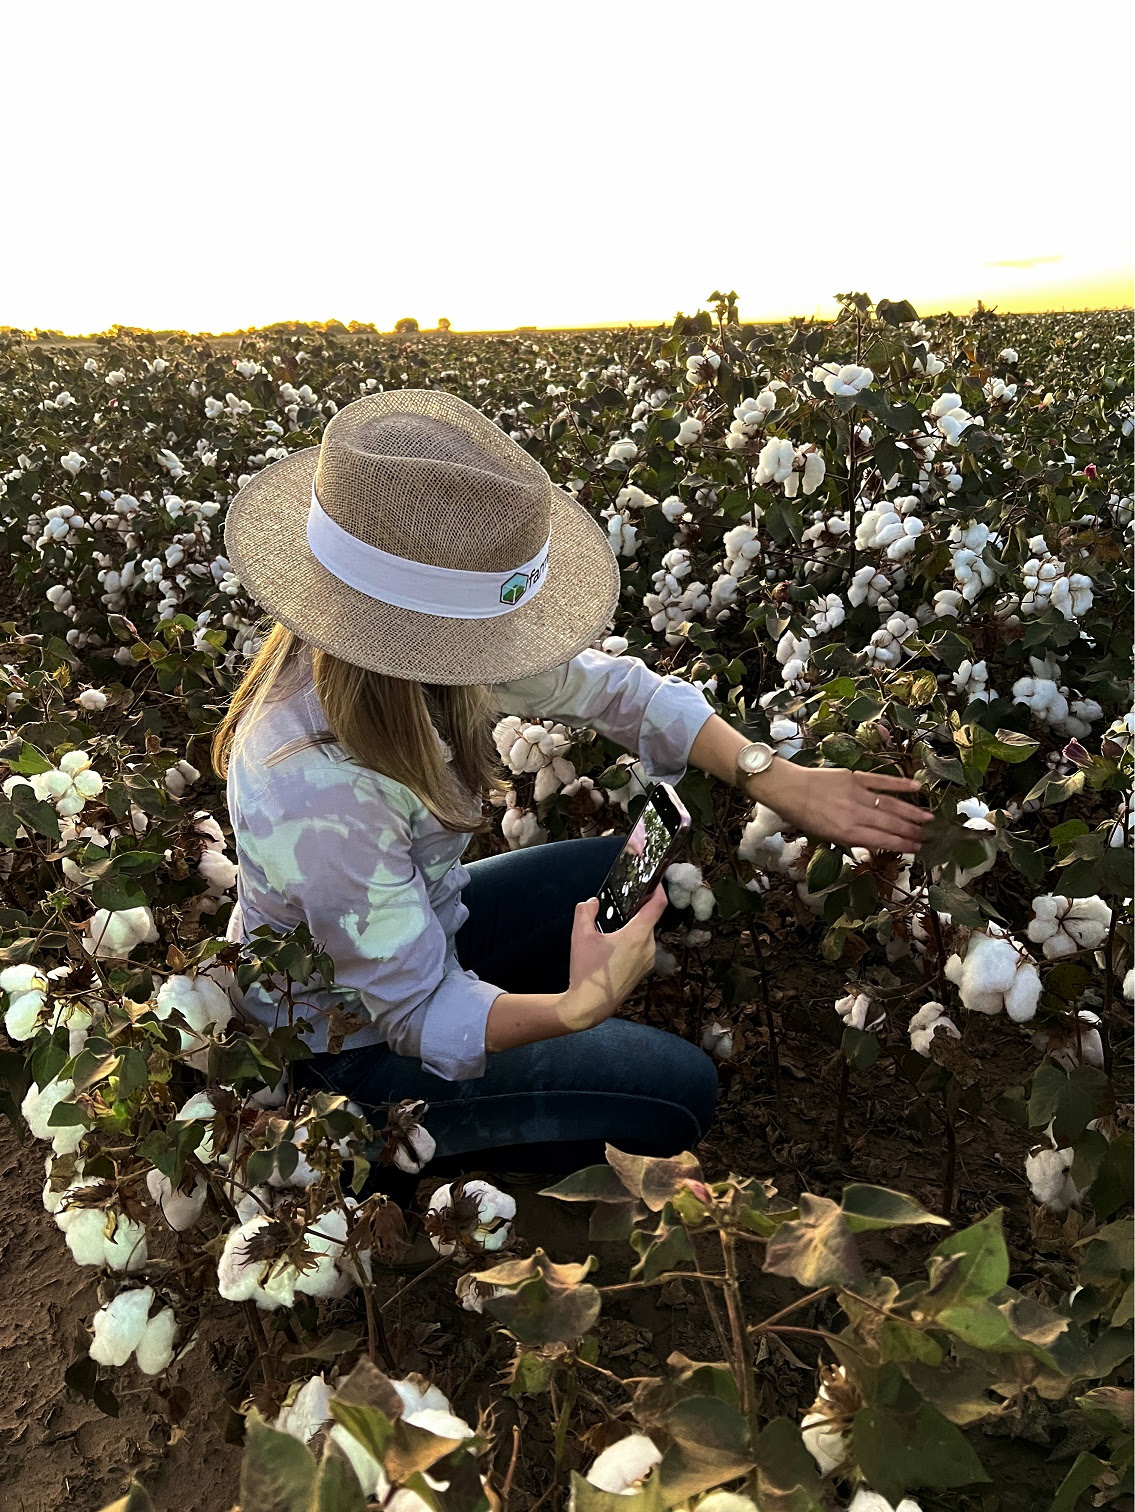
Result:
[[1008, 355], [269, 1282], [423, 1147], [218, 870], [1062, 926], [307, 1412], [154, 1350], [926, 1023], [774, 464], [26, 987], [843, 381], [855, 1009], [625, 1465], [493, 1224], [125, 1250], [702, 903], [180, 1210], [717, 1040], [1049, 1178], [814, 469], [83, 1230], [200, 1107], [114, 934], [665, 961], [615, 645], [92, 699], [119, 1326], [38, 1106], [1023, 996], [682, 879], [1129, 985]]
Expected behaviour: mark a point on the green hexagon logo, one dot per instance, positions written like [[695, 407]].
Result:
[[514, 588]]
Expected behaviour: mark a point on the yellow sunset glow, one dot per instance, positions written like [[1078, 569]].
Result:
[[209, 167]]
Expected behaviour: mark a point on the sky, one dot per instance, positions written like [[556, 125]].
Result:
[[211, 167]]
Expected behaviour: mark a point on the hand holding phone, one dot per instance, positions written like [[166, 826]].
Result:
[[606, 967]]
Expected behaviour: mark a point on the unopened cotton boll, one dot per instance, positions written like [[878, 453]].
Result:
[[1062, 926], [926, 1023]]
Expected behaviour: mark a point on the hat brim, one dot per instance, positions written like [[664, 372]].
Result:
[[266, 543]]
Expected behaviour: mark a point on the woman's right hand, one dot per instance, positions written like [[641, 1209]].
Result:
[[606, 968]]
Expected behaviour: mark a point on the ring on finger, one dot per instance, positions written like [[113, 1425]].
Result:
[[877, 802]]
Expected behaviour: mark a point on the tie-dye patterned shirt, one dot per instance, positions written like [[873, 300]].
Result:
[[377, 879]]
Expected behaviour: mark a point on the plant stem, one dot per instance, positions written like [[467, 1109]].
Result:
[[951, 1166], [841, 1107], [742, 1344], [1108, 989]]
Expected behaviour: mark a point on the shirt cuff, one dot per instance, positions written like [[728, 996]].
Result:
[[674, 714], [452, 1043]]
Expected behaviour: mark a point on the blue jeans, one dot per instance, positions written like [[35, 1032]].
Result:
[[553, 1104]]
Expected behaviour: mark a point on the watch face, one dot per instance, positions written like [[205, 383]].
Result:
[[756, 758]]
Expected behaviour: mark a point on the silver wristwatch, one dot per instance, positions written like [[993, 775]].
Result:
[[751, 759]]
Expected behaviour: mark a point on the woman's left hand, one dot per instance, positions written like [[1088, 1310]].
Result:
[[852, 808]]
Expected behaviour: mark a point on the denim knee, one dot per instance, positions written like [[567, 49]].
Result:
[[695, 1082]]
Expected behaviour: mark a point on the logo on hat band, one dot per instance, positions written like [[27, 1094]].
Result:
[[448, 592]]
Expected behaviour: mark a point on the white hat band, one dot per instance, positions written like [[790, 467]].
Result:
[[449, 592]]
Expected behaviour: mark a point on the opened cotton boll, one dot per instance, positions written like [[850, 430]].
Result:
[[717, 1040], [100, 1235], [686, 889], [180, 1209], [112, 935], [180, 777], [997, 976], [625, 1466], [38, 1106], [1072, 1043], [1049, 1176], [472, 1214], [926, 1023], [472, 1294], [856, 1009], [26, 988], [1063, 926]]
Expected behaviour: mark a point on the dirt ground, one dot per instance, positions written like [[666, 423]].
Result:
[[57, 1449]]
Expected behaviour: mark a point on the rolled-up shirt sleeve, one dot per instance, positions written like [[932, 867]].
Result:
[[336, 845], [657, 716]]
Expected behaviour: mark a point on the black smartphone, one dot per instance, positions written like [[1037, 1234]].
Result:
[[655, 841]]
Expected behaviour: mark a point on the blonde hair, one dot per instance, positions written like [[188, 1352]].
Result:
[[388, 724]]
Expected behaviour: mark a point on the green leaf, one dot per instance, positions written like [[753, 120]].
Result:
[[787, 1478], [29, 761], [1067, 1100], [336, 1487], [816, 1249], [664, 1249], [824, 868], [114, 893], [901, 1451], [711, 1444], [277, 1472], [588, 1498], [653, 1178], [1085, 1472], [973, 1264], [550, 1303], [34, 813], [860, 1049], [366, 1425], [1012, 747], [1112, 1187], [597, 1183], [872, 1207], [945, 897]]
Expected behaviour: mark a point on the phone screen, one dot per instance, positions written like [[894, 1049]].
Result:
[[636, 863]]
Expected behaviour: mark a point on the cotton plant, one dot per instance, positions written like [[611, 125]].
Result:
[[971, 681], [686, 888], [971, 572], [536, 747], [637, 782], [702, 366], [952, 419], [624, 1467], [27, 988], [125, 1327], [764, 846], [926, 1023], [751, 416], [471, 1215], [675, 598], [1072, 1043], [996, 975]]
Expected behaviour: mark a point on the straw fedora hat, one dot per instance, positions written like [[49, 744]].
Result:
[[419, 540]]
